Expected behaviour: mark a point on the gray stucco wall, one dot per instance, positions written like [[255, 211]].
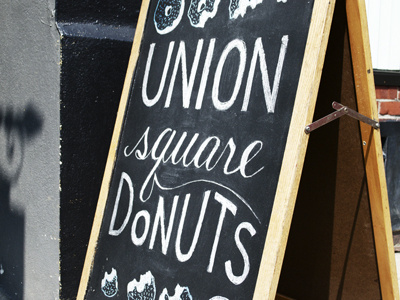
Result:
[[29, 150]]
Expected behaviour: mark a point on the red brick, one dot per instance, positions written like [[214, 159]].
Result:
[[392, 93], [386, 92], [390, 108]]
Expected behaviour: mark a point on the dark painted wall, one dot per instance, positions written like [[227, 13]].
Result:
[[95, 46], [106, 12]]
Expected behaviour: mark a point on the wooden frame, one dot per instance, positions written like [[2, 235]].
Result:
[[373, 157], [296, 147]]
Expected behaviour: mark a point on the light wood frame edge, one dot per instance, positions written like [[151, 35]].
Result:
[[101, 204], [373, 157], [296, 146]]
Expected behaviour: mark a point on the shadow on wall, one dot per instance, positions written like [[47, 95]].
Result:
[[17, 129]]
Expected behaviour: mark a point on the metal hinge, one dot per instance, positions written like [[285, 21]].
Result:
[[341, 110]]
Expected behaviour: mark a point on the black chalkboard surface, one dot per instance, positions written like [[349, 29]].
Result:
[[195, 161]]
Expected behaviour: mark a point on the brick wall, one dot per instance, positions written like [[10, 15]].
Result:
[[388, 100]]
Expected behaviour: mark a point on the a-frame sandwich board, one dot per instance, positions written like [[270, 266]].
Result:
[[138, 238]]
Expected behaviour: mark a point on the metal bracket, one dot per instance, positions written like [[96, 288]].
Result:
[[341, 110]]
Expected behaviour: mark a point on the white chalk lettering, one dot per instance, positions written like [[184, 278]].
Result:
[[187, 86], [241, 47], [183, 158], [228, 264], [204, 75], [124, 178], [188, 82], [146, 100], [225, 204], [171, 228], [160, 157], [270, 97], [246, 159], [139, 241], [203, 146], [159, 221], [164, 229], [185, 257]]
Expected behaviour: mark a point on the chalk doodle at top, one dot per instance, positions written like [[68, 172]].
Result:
[[169, 13]]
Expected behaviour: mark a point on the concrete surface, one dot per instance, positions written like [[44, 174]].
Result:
[[29, 149]]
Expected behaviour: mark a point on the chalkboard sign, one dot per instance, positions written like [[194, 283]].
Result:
[[192, 177]]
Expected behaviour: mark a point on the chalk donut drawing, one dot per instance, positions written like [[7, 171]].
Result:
[[201, 10], [145, 289], [238, 7], [181, 293], [168, 14], [109, 284]]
